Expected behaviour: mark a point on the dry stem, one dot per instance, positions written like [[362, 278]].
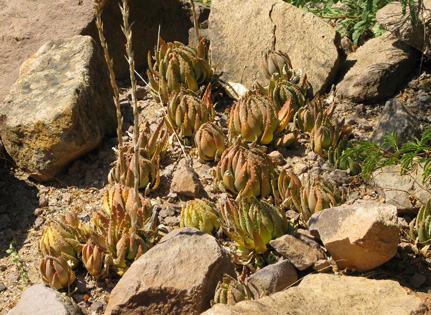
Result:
[[127, 30], [98, 9]]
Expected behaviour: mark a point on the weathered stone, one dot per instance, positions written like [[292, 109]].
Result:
[[42, 299], [396, 117], [398, 189], [323, 294], [237, 45], [274, 278], [185, 181], [392, 19], [62, 18], [296, 251], [361, 236], [177, 276], [60, 107], [375, 70]]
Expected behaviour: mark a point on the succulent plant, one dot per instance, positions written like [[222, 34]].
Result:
[[313, 113], [95, 260], [187, 112], [245, 171], [287, 138], [231, 291], [149, 176], [336, 158], [177, 65], [56, 272], [276, 63], [64, 238], [281, 90], [252, 223], [155, 145], [256, 118], [114, 231], [420, 229], [309, 195], [210, 141], [201, 214]]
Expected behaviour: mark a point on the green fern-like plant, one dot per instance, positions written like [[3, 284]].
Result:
[[373, 156]]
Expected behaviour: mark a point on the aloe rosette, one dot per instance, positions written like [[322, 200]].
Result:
[[178, 66], [245, 171], [201, 214], [187, 112], [56, 272], [420, 229]]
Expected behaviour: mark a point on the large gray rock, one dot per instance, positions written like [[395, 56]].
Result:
[[392, 19], [398, 189], [274, 278], [240, 33], [42, 299], [300, 254], [331, 294], [60, 107], [177, 276], [375, 70], [396, 117], [361, 236], [64, 18]]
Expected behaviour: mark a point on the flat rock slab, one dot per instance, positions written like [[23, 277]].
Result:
[[361, 236], [296, 251], [27, 25], [60, 107], [397, 188], [241, 32], [177, 276], [376, 69], [331, 294], [391, 17], [42, 299]]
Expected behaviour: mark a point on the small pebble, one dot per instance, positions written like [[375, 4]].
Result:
[[38, 222], [417, 280], [2, 286], [81, 286], [423, 98], [37, 212], [43, 202], [98, 307]]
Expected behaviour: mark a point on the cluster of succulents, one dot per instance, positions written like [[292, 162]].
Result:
[[122, 231], [420, 229], [308, 195], [201, 214], [252, 223], [231, 291], [255, 117], [114, 240], [187, 112], [177, 65], [245, 171], [151, 149], [210, 141]]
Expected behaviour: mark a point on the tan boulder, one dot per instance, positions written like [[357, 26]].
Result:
[[361, 236]]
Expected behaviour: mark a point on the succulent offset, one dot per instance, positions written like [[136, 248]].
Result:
[[177, 65], [420, 229], [187, 112], [151, 149], [313, 113], [113, 227], [252, 223], [201, 214], [245, 171], [308, 195], [56, 272], [336, 158], [64, 238], [95, 260], [255, 117], [231, 291], [276, 63], [210, 141]]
